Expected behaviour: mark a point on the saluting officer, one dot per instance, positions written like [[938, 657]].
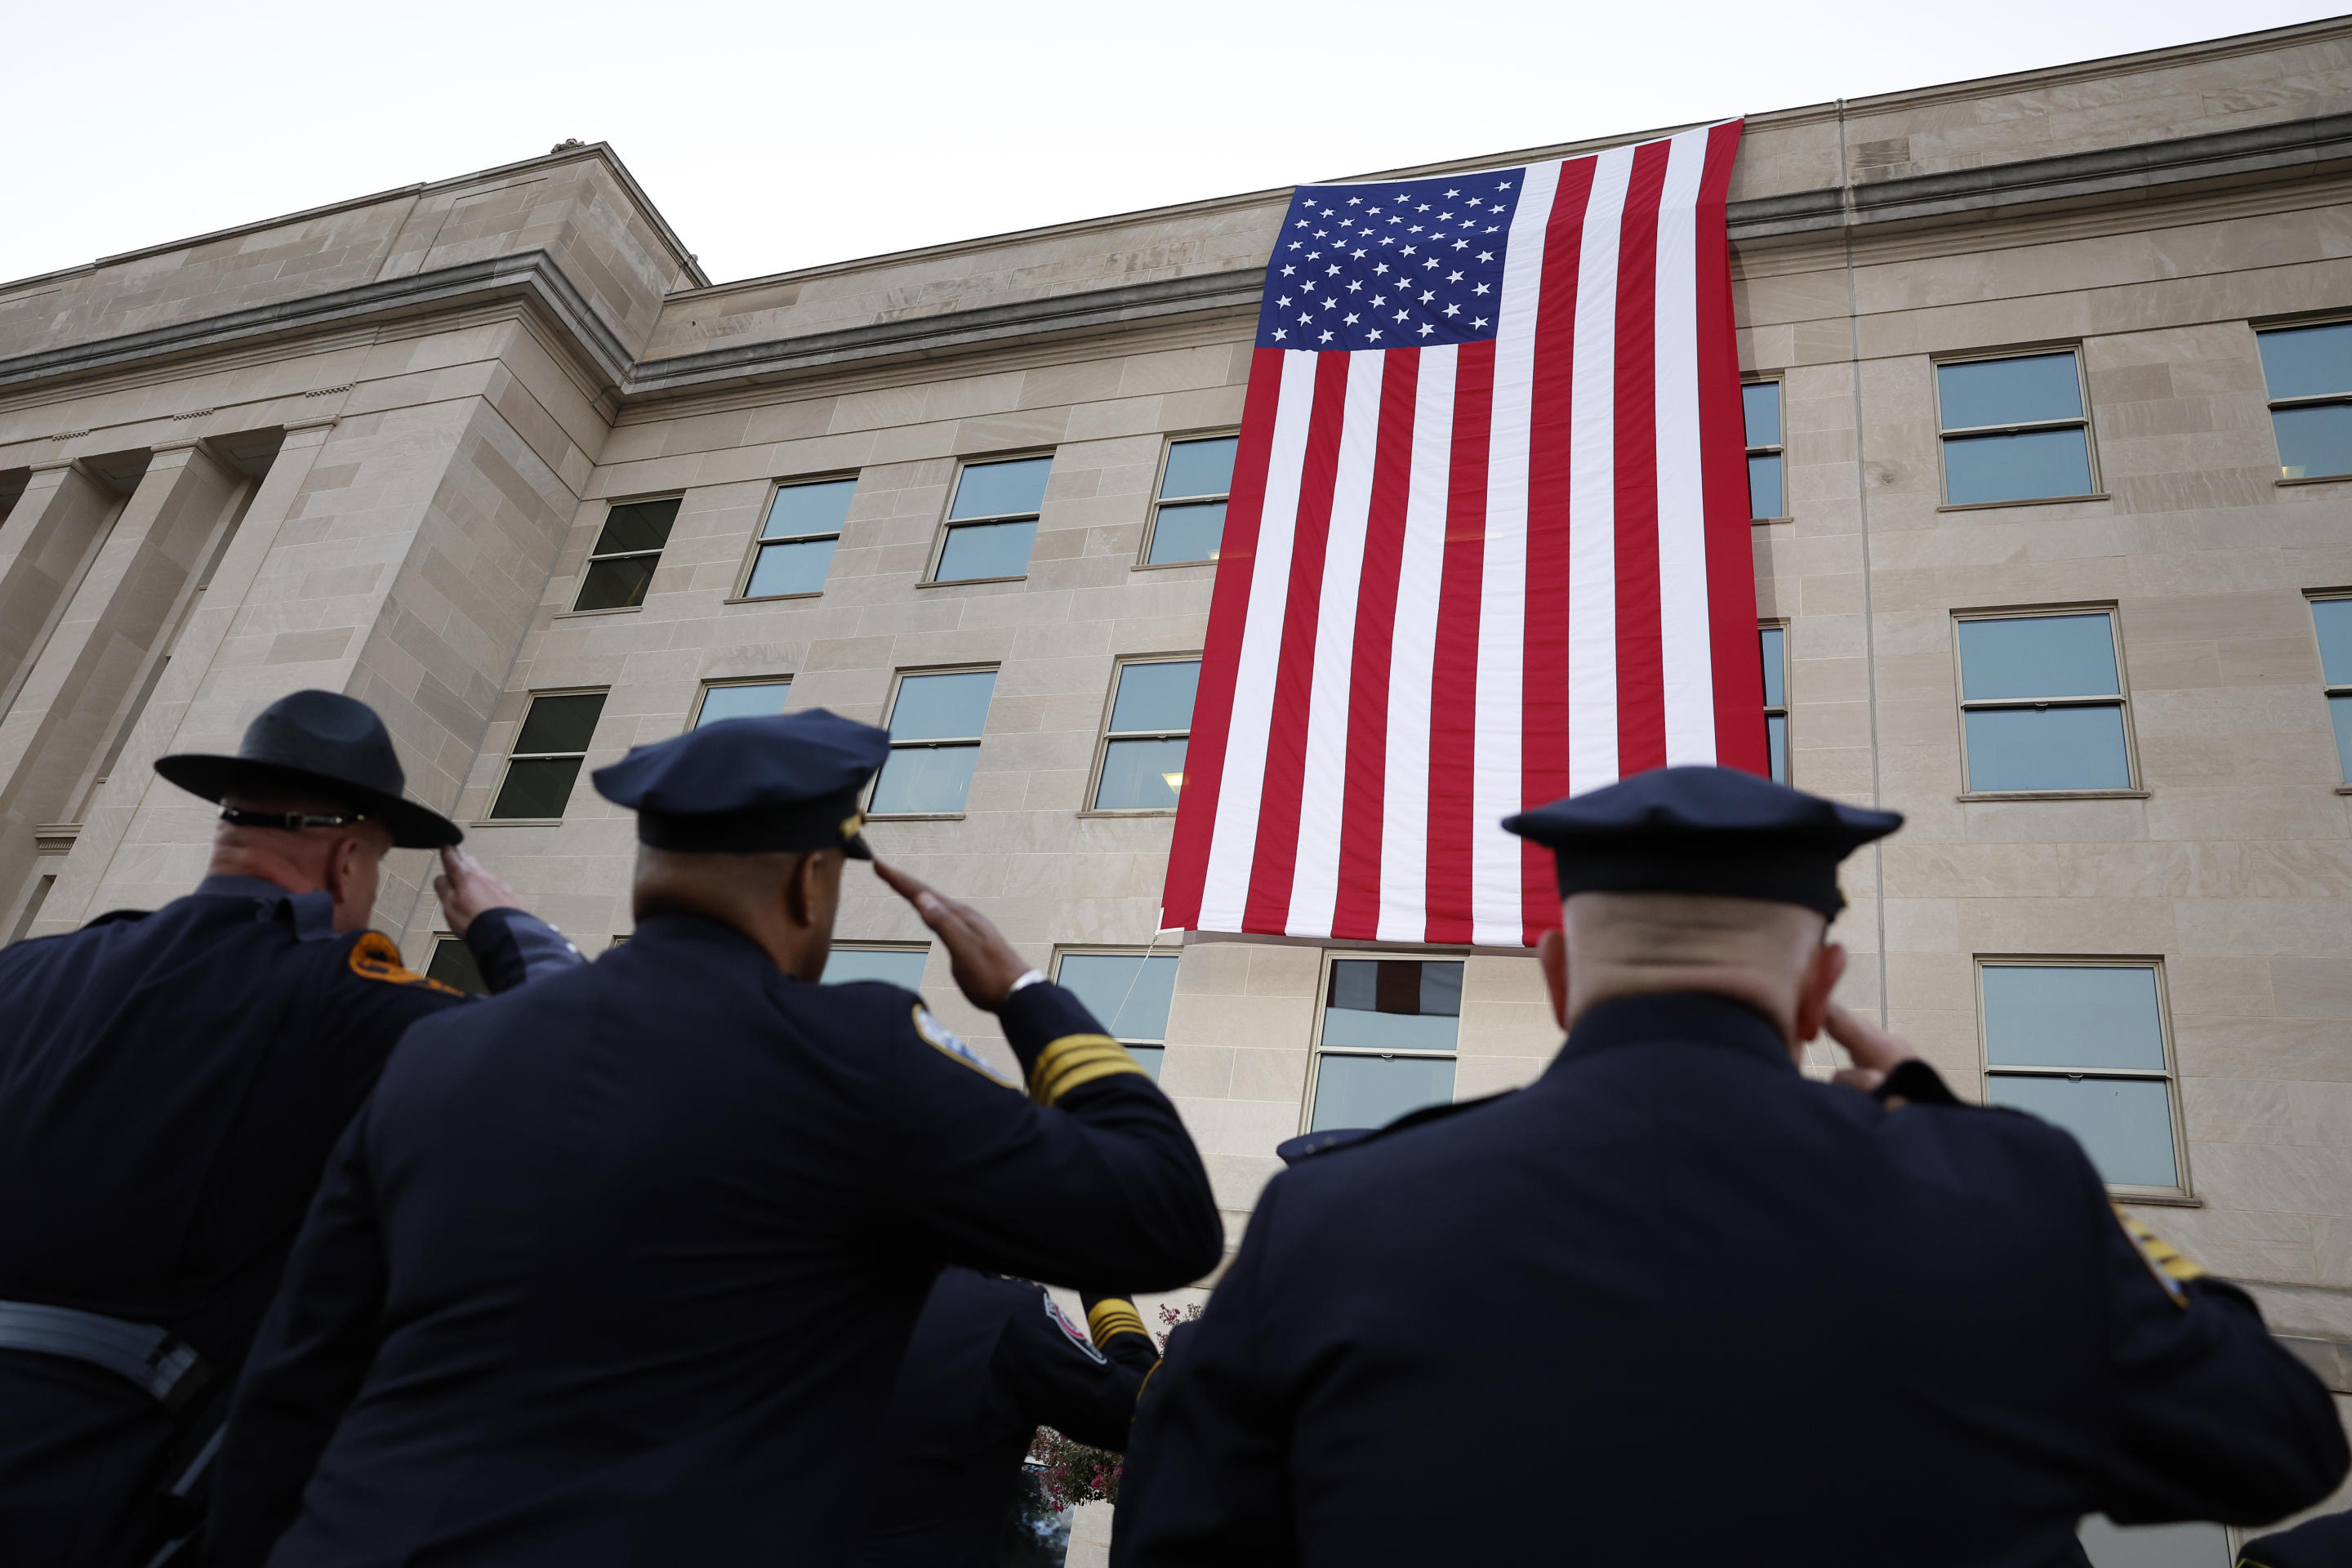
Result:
[[1676, 1303], [992, 1360], [170, 1086], [619, 1269]]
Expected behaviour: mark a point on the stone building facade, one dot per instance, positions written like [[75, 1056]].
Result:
[[394, 447]]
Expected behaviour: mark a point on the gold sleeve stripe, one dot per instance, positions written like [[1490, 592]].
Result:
[[2171, 1268], [1148, 1377], [1112, 1316], [1075, 1060]]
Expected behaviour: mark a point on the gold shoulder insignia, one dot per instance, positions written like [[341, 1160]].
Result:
[[2171, 1270], [948, 1043], [373, 957]]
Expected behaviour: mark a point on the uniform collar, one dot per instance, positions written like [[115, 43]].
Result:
[[1697, 1017], [696, 928], [314, 913]]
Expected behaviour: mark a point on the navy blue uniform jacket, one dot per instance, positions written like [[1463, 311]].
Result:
[[1676, 1303], [170, 1087], [991, 1361], [619, 1269], [2322, 1543]]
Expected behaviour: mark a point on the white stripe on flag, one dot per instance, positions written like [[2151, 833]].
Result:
[[1495, 780], [1592, 486], [1683, 619], [1242, 786], [1314, 874], [1412, 656]]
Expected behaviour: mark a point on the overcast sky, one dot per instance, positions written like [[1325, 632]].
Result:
[[780, 136]]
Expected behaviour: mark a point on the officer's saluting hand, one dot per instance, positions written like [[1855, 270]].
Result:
[[620, 1267]]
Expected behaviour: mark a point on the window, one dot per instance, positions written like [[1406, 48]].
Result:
[[548, 753], [1387, 1041], [1130, 993], [2333, 619], [741, 699], [2014, 430], [1142, 767], [1776, 699], [2081, 1043], [796, 542], [452, 964], [2309, 373], [994, 521], [1760, 402], [1188, 519], [935, 725], [625, 555], [900, 966], [2041, 704]]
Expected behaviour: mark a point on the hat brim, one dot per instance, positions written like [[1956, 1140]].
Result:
[[213, 777], [856, 848]]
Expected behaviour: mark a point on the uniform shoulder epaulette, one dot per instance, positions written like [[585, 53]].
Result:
[[1429, 1113], [113, 917], [373, 957]]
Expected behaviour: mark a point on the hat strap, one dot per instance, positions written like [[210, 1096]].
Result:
[[289, 821]]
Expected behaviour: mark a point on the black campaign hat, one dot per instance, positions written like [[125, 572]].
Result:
[[1704, 830], [785, 780], [321, 743]]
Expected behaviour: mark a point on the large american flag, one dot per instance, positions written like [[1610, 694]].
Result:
[[1487, 543]]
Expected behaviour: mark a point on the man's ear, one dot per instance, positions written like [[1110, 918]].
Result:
[[800, 890], [1551, 957], [1822, 972]]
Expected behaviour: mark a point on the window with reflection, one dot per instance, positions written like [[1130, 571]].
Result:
[[1760, 402], [1188, 516], [1776, 699], [935, 721], [453, 964], [797, 539], [1130, 993], [547, 752], [741, 699], [2332, 618], [901, 965], [2308, 373], [2041, 704], [629, 548], [2014, 430], [1143, 753], [2083, 1044], [1387, 1043], [992, 522]]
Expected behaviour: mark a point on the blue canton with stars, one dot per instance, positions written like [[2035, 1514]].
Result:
[[1415, 263]]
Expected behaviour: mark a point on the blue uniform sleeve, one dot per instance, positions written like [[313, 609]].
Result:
[[512, 946], [2322, 1543], [308, 1363], [1059, 1379], [1089, 1176]]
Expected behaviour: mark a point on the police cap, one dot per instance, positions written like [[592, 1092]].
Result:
[[787, 781], [1704, 830]]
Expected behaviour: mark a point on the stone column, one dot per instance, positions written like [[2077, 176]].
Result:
[[43, 546]]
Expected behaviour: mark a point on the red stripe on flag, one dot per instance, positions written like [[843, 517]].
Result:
[[1737, 662], [1453, 703], [1212, 707], [1641, 659], [1267, 907], [1357, 912]]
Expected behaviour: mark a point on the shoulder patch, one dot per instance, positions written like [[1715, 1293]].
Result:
[[2171, 1270], [373, 957], [948, 1043], [1070, 1330]]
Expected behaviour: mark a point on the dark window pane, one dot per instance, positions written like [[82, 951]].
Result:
[[1001, 489], [640, 525], [1764, 486], [2009, 390], [1140, 776], [925, 779], [986, 550], [2315, 440], [1199, 467], [1776, 741], [2057, 1016], [2340, 709], [1155, 696], [537, 787], [2029, 466], [1188, 533], [1392, 1004], [1372, 1091], [1127, 994], [452, 964], [809, 509], [1775, 641], [797, 568], [2125, 1125], [2046, 748], [2037, 656], [942, 707], [1148, 1057], [617, 584], [742, 701], [563, 724], [897, 966], [2333, 619], [1760, 402], [2308, 362]]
